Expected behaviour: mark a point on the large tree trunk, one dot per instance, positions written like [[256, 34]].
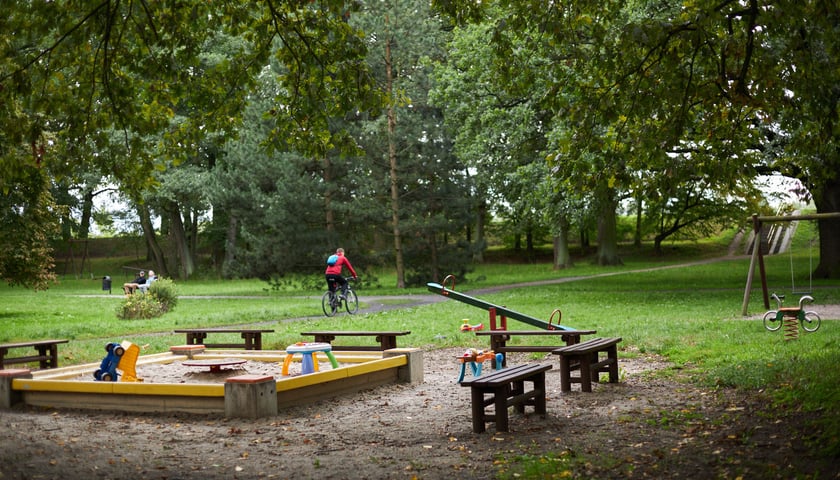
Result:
[[562, 258], [231, 235], [827, 200], [182, 246], [480, 243], [151, 240], [607, 230], [87, 212], [392, 158], [329, 219]]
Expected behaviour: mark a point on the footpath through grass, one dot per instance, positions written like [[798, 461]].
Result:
[[691, 315]]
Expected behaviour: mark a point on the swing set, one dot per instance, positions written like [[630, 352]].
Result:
[[758, 259]]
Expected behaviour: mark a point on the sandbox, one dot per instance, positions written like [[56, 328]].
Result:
[[244, 395]]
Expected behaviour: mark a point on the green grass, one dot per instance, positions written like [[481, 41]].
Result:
[[691, 315]]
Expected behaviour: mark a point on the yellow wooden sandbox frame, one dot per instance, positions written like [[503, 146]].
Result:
[[60, 388]]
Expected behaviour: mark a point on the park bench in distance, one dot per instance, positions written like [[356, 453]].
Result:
[[499, 339], [506, 389], [586, 357], [252, 337], [47, 353], [387, 339]]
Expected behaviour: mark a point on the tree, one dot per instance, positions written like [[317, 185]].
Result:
[[74, 73], [408, 151], [634, 79], [26, 226]]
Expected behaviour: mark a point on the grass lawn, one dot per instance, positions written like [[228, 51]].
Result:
[[691, 315]]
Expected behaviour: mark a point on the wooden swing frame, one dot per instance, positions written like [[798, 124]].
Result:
[[758, 256]]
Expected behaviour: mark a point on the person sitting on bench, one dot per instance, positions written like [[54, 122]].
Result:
[[131, 287], [144, 287]]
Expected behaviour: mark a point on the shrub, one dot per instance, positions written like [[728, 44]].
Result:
[[139, 306], [159, 299], [165, 292]]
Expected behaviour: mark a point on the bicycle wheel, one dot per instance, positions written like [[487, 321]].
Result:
[[811, 322], [771, 321], [328, 304], [351, 302]]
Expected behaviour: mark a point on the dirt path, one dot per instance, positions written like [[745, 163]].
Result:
[[643, 427]]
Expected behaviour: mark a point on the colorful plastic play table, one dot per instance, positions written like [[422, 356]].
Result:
[[309, 362]]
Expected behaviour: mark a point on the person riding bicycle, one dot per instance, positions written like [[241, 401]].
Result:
[[333, 272]]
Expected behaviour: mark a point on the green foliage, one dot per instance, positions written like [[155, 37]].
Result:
[[160, 298], [140, 306], [165, 292], [26, 227]]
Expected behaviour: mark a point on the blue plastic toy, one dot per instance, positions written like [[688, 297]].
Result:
[[107, 371]]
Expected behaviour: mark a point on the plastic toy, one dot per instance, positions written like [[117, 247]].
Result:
[[309, 362], [476, 359], [466, 327], [120, 356], [789, 316]]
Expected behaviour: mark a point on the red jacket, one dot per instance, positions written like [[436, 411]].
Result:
[[336, 269]]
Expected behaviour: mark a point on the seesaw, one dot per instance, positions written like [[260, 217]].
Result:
[[495, 310]]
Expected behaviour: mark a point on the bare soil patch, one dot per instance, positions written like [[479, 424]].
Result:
[[646, 426]]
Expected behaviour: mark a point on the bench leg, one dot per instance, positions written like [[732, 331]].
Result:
[[501, 395], [478, 420], [387, 342], [565, 374], [539, 394], [586, 373], [253, 341], [612, 354], [518, 388]]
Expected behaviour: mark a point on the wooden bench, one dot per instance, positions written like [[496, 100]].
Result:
[[47, 353], [252, 337], [499, 339], [506, 388], [586, 357], [387, 340]]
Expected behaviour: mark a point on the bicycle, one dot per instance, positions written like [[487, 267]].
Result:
[[332, 303], [773, 319]]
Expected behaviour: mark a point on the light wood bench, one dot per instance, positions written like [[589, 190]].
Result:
[[252, 337], [506, 388], [387, 339], [586, 357], [47, 353]]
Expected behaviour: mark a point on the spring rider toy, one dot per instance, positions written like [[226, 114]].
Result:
[[120, 356]]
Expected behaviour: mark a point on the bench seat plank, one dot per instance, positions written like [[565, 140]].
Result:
[[506, 388], [252, 337], [387, 339], [586, 358], [499, 339], [47, 353]]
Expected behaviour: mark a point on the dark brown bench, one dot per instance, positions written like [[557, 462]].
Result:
[[499, 339], [387, 339], [252, 337], [586, 357], [47, 353], [506, 388]]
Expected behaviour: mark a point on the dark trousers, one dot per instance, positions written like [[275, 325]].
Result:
[[333, 280]]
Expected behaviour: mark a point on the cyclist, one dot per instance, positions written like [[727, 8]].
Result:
[[333, 272]]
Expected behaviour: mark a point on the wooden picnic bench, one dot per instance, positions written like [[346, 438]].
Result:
[[387, 339], [506, 388], [47, 353], [586, 357], [252, 337], [499, 339]]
